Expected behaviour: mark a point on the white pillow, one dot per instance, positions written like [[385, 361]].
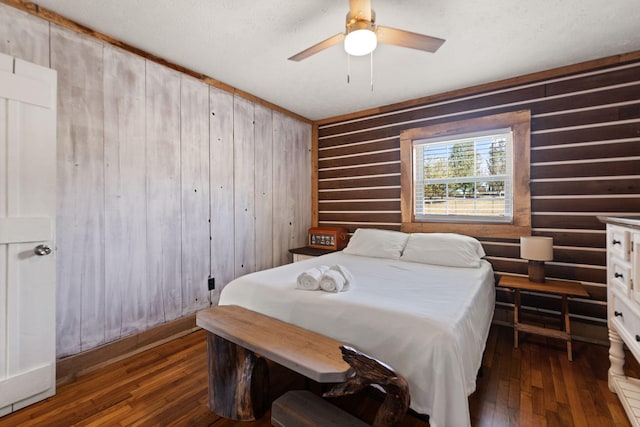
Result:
[[449, 249], [376, 243]]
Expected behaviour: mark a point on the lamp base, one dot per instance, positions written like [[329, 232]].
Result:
[[536, 271]]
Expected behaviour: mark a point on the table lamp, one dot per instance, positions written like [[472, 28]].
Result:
[[537, 250]]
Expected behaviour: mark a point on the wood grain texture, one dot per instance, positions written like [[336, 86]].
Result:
[[194, 177], [487, 87], [369, 371], [314, 174], [565, 221], [264, 191], [385, 156], [221, 184], [379, 169], [354, 194], [244, 186], [125, 190], [605, 186], [586, 82], [231, 364], [302, 180], [311, 354], [80, 211], [609, 204], [361, 182], [283, 213], [603, 132], [302, 408], [619, 167], [619, 149], [164, 297], [584, 161], [361, 148], [607, 95], [604, 114], [168, 385], [119, 198], [24, 36], [6, 65], [294, 151], [71, 367]]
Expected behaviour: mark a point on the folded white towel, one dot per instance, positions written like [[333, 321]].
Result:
[[348, 277], [332, 281], [310, 280]]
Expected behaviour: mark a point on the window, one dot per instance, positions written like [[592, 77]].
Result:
[[469, 176], [464, 177]]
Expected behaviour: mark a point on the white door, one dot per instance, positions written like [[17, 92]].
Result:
[[27, 233]]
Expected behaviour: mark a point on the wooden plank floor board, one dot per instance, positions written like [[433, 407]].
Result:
[[534, 385], [537, 402]]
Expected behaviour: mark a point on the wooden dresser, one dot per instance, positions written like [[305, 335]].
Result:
[[623, 308]]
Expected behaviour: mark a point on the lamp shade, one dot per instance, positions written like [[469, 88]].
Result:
[[360, 42], [536, 248]]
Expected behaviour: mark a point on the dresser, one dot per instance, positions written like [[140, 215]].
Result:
[[623, 308]]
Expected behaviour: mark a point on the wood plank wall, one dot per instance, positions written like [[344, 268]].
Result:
[[585, 161], [163, 181]]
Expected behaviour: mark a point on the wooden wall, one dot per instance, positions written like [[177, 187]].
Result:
[[163, 180], [585, 161]]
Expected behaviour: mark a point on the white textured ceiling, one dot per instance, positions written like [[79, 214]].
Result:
[[246, 43]]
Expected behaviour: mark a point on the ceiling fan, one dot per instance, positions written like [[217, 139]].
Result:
[[362, 35]]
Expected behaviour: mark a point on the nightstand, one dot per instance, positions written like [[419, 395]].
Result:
[[557, 287], [305, 252]]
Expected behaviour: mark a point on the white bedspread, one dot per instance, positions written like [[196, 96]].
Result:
[[430, 323]]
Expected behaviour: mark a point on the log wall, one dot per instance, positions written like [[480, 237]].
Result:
[[163, 180], [585, 162]]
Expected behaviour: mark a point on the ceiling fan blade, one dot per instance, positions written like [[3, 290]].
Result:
[[360, 9], [333, 40], [404, 38]]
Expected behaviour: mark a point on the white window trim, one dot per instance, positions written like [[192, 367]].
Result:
[[419, 180]]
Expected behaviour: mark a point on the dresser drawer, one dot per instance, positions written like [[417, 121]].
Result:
[[620, 275], [618, 242], [626, 319], [301, 257]]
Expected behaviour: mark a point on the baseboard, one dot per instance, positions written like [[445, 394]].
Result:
[[70, 367]]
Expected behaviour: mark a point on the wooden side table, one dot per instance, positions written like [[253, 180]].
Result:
[[557, 287], [306, 252]]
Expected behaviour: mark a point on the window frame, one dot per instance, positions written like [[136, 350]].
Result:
[[520, 124]]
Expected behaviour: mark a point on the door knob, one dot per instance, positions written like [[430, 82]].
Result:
[[41, 250]]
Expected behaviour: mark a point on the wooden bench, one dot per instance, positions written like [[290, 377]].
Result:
[[305, 409], [239, 340], [302, 408]]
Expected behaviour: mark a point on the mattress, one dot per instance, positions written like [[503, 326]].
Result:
[[430, 323]]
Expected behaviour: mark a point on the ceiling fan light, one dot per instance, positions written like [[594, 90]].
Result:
[[360, 42]]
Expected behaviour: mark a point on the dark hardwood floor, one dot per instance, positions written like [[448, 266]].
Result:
[[534, 385]]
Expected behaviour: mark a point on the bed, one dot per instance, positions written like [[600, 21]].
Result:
[[429, 322]]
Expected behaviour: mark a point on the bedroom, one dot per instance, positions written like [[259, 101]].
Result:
[[571, 184]]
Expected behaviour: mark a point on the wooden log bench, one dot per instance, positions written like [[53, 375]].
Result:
[[302, 408], [239, 340]]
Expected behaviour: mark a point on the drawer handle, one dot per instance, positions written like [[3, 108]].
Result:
[[618, 275], [617, 313], [638, 338], [616, 242]]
